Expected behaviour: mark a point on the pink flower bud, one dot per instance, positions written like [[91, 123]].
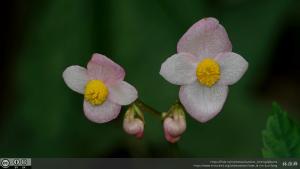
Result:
[[133, 125], [174, 127]]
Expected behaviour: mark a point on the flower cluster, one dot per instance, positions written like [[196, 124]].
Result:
[[204, 66]]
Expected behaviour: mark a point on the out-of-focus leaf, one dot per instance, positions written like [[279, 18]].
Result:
[[281, 138]]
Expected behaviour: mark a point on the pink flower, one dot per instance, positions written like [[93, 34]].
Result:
[[204, 67], [174, 127], [103, 88]]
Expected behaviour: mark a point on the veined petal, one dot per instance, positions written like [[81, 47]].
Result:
[[102, 68], [201, 102], [76, 78], [101, 113], [233, 67], [206, 38], [179, 69], [122, 93]]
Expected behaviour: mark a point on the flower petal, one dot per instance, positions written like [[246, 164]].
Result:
[[102, 113], [233, 67], [206, 38], [203, 103], [179, 69], [122, 93], [171, 138], [76, 78], [133, 127], [174, 127], [102, 68]]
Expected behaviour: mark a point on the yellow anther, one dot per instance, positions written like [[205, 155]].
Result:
[[208, 72], [95, 92]]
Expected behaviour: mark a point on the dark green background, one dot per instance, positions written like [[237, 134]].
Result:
[[42, 117]]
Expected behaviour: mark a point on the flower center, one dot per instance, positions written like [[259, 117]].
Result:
[[208, 72], [95, 92]]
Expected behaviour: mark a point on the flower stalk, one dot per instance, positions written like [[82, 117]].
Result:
[[146, 108]]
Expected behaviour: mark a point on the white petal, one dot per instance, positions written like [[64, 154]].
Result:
[[233, 67], [122, 93], [179, 69], [76, 78], [101, 113], [203, 103]]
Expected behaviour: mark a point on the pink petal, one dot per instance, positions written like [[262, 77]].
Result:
[[201, 102], [171, 138], [101, 113], [206, 38], [174, 127], [140, 134], [233, 67], [134, 127], [122, 93], [102, 68], [76, 78], [179, 69]]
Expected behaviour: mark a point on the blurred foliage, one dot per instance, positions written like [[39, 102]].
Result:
[[281, 137], [43, 117]]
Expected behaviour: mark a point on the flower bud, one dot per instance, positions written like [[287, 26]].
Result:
[[174, 124], [133, 126]]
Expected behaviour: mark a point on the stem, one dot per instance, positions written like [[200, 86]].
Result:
[[146, 108], [138, 111]]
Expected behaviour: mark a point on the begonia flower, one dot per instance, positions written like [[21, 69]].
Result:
[[103, 87], [204, 66]]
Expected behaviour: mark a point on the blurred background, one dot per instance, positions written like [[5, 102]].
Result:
[[42, 117]]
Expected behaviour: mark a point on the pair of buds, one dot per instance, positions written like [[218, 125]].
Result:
[[174, 123]]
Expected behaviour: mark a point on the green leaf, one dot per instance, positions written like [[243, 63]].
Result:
[[281, 138]]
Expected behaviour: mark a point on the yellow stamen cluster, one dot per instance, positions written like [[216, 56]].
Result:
[[208, 72], [95, 92]]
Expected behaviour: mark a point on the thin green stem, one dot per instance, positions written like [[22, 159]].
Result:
[[139, 112], [147, 108]]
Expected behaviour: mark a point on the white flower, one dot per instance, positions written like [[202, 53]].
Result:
[[103, 88], [204, 67]]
